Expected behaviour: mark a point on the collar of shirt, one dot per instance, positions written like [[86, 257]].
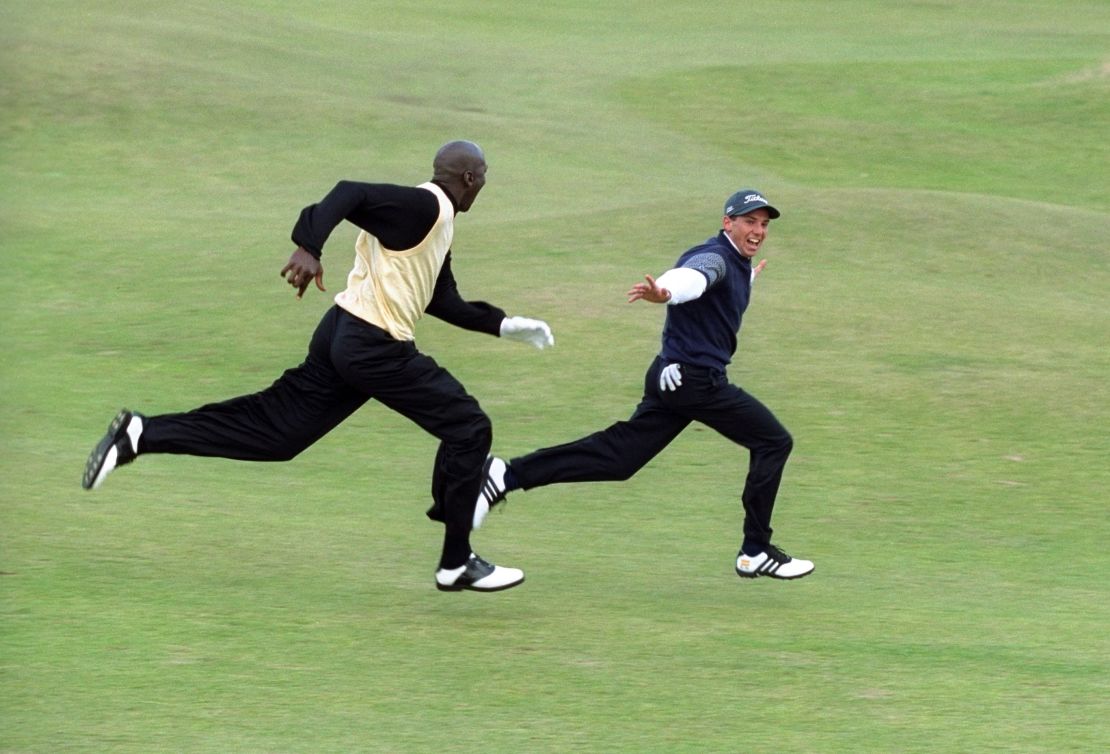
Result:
[[730, 243], [745, 262]]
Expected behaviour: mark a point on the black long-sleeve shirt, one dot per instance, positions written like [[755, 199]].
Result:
[[400, 217]]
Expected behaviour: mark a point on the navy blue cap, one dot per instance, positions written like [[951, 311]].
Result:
[[748, 200]]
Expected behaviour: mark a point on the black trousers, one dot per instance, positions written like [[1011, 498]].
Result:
[[618, 452], [349, 362]]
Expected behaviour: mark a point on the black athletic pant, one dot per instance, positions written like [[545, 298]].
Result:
[[616, 453], [349, 362]]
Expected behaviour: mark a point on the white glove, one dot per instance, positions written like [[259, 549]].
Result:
[[526, 330], [671, 377]]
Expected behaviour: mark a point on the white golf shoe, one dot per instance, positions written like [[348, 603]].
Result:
[[772, 562], [492, 491], [119, 446], [478, 575]]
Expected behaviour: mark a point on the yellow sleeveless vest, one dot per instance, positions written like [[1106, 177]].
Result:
[[390, 288]]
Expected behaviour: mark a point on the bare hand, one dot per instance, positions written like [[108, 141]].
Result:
[[758, 269], [302, 269], [649, 291]]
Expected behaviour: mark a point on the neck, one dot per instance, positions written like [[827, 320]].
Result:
[[450, 194]]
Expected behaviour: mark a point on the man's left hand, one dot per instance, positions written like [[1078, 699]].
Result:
[[527, 330], [758, 269]]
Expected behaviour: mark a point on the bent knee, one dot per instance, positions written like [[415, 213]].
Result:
[[483, 434], [476, 436], [785, 444], [777, 445]]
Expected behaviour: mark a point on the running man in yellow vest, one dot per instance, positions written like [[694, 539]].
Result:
[[363, 348]]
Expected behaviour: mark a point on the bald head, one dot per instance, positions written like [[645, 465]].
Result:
[[455, 158], [460, 167]]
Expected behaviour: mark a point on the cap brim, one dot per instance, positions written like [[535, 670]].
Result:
[[774, 213]]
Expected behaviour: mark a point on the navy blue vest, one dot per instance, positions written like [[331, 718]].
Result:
[[703, 332]]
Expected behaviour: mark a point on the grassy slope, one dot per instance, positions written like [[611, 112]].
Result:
[[931, 327]]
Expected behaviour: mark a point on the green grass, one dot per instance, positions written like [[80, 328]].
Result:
[[932, 327]]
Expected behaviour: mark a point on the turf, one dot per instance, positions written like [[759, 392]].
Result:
[[931, 326]]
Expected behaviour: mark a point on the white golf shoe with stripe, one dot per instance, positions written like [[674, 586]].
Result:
[[119, 446], [492, 491], [772, 562]]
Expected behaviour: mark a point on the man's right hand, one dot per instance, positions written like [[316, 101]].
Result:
[[302, 269], [649, 291]]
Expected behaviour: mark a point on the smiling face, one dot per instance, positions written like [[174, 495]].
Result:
[[748, 232]]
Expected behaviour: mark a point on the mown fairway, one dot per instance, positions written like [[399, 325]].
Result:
[[932, 326]]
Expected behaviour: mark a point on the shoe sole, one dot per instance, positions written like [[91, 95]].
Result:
[[91, 479], [756, 575], [470, 588]]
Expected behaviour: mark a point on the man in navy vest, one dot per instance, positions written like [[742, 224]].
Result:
[[706, 294]]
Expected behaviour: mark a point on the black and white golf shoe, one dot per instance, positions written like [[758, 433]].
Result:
[[772, 562], [119, 446], [479, 576], [492, 491]]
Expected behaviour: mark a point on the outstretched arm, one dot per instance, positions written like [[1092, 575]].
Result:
[[675, 286], [681, 284], [448, 305]]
